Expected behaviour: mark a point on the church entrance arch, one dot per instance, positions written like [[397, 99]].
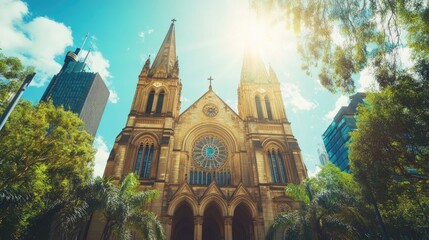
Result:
[[213, 227], [242, 223], [183, 223]]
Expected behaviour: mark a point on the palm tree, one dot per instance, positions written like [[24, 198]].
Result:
[[122, 207], [125, 214], [330, 209]]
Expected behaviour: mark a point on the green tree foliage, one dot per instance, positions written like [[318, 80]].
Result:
[[12, 74], [45, 156], [331, 208], [341, 37], [124, 212], [389, 152]]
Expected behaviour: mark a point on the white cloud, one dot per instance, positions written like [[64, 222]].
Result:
[[367, 81], [405, 57], [341, 101], [101, 156], [232, 103], [141, 35], [113, 97], [36, 42], [97, 63], [292, 97], [314, 172], [183, 99]]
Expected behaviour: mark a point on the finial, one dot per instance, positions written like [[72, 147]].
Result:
[[210, 79], [173, 20]]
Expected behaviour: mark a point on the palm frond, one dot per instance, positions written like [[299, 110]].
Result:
[[286, 220], [143, 197]]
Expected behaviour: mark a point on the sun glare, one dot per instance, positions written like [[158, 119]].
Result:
[[259, 35]]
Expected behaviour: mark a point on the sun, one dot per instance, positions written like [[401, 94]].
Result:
[[260, 35]]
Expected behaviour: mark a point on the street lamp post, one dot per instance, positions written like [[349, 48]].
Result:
[[15, 99]]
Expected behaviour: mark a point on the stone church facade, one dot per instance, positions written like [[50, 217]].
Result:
[[220, 174]]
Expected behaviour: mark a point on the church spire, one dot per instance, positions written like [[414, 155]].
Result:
[[253, 69], [166, 59]]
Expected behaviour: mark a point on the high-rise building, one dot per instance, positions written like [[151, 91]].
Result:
[[337, 137], [220, 174], [323, 155], [79, 91]]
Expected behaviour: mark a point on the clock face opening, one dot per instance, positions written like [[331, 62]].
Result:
[[209, 152]]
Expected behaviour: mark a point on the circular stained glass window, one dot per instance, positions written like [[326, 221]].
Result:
[[210, 110], [209, 152]]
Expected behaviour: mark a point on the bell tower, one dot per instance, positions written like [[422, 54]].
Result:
[[143, 145], [260, 105], [259, 95], [158, 88]]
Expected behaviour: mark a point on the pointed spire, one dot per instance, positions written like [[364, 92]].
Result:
[[253, 69], [145, 69], [165, 60], [273, 75]]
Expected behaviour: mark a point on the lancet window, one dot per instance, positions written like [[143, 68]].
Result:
[[277, 168], [144, 160], [199, 177], [268, 107], [259, 108], [160, 102], [150, 101]]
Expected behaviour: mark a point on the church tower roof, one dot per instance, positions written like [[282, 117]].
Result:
[[253, 69], [166, 59]]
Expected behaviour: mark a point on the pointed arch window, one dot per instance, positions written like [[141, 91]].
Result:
[[198, 177], [268, 106], [144, 160], [160, 102], [259, 108], [150, 101], [277, 168]]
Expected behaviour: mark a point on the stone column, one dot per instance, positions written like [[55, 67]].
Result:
[[198, 228], [228, 228], [154, 103], [167, 222], [258, 225]]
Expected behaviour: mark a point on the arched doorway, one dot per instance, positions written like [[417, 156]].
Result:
[[213, 227], [183, 223], [242, 223]]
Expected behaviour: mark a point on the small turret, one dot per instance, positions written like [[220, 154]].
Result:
[[145, 69]]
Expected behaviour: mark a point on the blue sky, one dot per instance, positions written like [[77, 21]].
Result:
[[210, 38]]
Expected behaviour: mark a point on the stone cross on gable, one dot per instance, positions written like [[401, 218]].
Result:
[[210, 79]]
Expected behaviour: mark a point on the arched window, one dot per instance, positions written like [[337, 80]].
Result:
[[275, 161], [209, 178], [259, 108], [191, 177], [144, 160], [268, 106], [160, 102], [150, 101]]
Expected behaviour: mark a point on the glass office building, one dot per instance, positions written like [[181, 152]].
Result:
[[336, 137], [79, 91]]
